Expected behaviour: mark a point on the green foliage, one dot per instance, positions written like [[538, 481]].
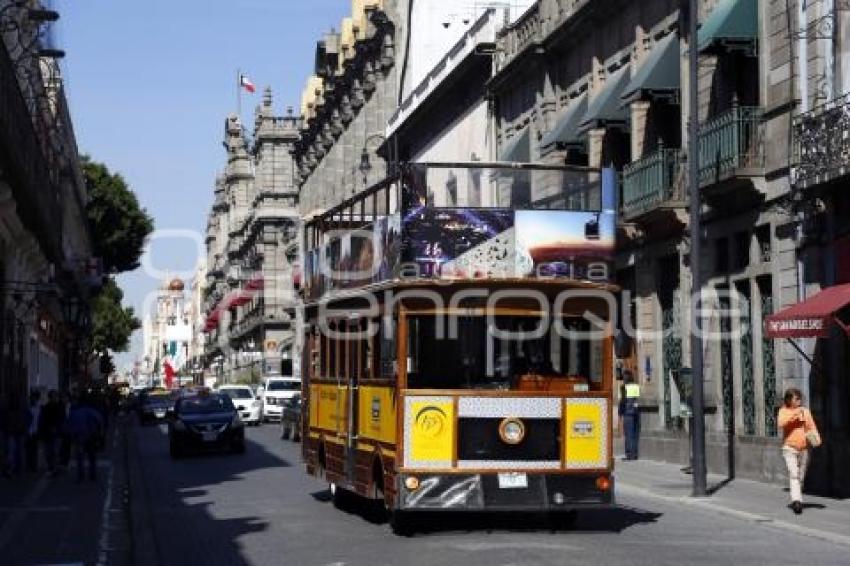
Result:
[[107, 366], [113, 323], [119, 225]]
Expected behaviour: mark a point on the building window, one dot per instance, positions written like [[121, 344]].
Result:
[[742, 250], [763, 239], [721, 255]]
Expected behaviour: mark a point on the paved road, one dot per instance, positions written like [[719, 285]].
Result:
[[260, 508]]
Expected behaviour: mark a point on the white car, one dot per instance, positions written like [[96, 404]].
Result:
[[249, 406], [274, 392]]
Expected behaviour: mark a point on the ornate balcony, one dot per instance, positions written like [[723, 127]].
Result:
[[29, 160], [649, 183], [526, 31], [822, 143], [731, 146]]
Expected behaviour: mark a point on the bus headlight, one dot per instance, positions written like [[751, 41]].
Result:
[[511, 431], [411, 483]]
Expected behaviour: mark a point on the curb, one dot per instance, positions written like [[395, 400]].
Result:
[[762, 520]]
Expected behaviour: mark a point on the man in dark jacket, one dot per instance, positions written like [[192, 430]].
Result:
[[85, 427], [50, 423]]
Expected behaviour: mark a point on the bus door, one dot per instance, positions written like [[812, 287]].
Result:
[[358, 366]]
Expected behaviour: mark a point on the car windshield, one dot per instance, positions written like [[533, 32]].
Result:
[[157, 399], [205, 405], [502, 352], [283, 386], [242, 393]]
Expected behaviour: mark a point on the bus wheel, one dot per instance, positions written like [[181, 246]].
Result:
[[401, 523], [339, 496]]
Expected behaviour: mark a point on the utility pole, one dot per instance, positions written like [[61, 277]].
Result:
[[698, 408]]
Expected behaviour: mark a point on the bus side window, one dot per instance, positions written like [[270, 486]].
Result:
[[322, 342], [387, 353]]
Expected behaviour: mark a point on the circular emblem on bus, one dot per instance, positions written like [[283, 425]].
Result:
[[431, 421], [511, 430]]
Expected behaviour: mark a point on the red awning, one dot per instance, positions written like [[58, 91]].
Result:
[[813, 318]]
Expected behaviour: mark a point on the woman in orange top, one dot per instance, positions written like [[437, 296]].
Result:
[[795, 421]]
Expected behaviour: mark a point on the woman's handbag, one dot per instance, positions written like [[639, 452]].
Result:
[[813, 439]]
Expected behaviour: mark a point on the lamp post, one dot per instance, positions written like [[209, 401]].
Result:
[[698, 408]]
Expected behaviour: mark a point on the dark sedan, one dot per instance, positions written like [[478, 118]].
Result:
[[205, 421], [154, 405], [290, 419]]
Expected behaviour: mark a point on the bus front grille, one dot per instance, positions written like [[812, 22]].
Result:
[[479, 441]]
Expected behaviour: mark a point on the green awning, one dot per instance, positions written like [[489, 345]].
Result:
[[732, 24], [517, 149], [660, 74], [566, 130], [606, 108]]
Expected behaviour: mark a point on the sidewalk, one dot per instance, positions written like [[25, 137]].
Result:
[[47, 520], [748, 500]]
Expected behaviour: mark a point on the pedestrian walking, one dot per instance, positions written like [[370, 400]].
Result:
[[799, 435], [15, 427], [31, 441], [64, 438], [50, 423], [630, 415], [85, 427]]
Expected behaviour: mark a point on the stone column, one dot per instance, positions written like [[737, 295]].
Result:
[[595, 138], [639, 111]]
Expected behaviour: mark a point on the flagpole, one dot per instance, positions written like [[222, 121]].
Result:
[[239, 93]]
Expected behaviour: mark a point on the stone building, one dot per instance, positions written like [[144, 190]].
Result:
[[167, 332], [251, 250], [605, 83], [346, 104], [46, 264]]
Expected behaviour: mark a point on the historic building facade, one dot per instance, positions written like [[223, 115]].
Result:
[[605, 83], [46, 265], [252, 249]]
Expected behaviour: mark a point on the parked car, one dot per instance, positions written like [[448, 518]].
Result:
[[154, 405], [290, 419], [205, 421], [274, 391], [247, 403]]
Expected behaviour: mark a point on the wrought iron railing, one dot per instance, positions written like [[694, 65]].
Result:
[[730, 142], [822, 142], [649, 181]]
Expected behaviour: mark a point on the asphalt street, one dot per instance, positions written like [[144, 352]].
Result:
[[261, 508]]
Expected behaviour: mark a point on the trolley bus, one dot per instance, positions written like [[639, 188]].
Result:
[[460, 357]]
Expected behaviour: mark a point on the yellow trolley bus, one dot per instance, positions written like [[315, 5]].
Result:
[[460, 358]]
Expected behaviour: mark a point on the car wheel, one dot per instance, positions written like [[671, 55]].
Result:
[[239, 448]]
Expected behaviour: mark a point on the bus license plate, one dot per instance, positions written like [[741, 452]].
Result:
[[513, 480]]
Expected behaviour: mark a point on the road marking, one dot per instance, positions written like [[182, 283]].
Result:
[[105, 526], [767, 522], [17, 516], [33, 509], [485, 546]]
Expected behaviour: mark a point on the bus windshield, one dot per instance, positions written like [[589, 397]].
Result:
[[503, 352]]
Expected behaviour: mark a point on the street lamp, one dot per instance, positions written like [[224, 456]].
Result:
[[365, 165]]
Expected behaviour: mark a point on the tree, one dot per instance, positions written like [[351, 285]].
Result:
[[119, 225], [113, 323]]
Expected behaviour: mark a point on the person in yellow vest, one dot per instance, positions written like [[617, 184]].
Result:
[[630, 415]]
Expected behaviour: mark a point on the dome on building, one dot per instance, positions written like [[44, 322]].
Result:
[[176, 285]]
